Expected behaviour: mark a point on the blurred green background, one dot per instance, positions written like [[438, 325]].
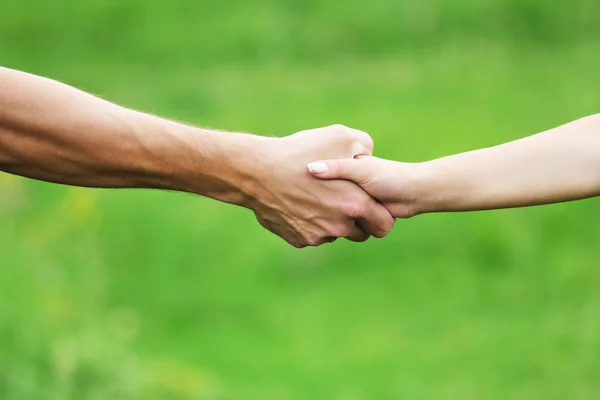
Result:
[[150, 295]]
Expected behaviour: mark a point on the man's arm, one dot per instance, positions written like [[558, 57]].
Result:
[[53, 132], [558, 165]]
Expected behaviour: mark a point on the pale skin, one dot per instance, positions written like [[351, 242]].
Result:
[[558, 165], [53, 132]]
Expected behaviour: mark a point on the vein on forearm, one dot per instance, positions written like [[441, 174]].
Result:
[[54, 132]]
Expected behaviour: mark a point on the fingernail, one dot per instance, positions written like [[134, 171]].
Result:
[[317, 168]]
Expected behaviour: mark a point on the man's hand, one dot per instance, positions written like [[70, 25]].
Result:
[[288, 201], [388, 181], [56, 133]]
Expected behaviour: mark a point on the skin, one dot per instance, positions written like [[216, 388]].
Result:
[[53, 132], [558, 165]]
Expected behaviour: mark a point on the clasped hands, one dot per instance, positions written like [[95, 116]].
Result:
[[344, 192], [309, 188]]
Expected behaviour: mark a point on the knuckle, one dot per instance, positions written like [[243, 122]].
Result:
[[340, 130], [338, 127], [362, 238], [354, 208], [338, 231], [358, 235], [294, 242], [380, 233], [384, 230], [313, 240], [367, 141]]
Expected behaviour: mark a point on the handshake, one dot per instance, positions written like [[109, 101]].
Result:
[[318, 185], [309, 188], [349, 199]]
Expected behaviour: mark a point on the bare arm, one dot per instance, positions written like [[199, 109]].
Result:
[[53, 132], [558, 165]]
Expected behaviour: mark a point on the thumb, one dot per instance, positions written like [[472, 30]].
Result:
[[350, 169]]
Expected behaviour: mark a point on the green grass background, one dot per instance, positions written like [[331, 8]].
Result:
[[150, 295]]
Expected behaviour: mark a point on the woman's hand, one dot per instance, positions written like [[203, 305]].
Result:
[[390, 182]]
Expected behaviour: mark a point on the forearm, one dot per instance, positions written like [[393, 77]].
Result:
[[53, 132], [56, 133], [558, 165]]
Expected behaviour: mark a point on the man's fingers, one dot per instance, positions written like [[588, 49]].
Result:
[[376, 220], [349, 169], [363, 143], [357, 234]]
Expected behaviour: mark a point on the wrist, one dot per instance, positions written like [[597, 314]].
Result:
[[424, 190], [223, 166], [439, 187], [210, 163]]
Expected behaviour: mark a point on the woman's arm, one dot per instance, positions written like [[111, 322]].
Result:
[[558, 165]]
